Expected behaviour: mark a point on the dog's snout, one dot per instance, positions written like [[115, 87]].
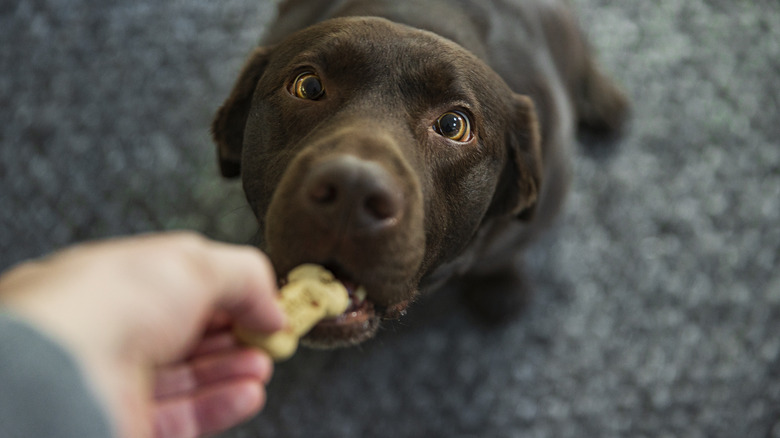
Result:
[[352, 194]]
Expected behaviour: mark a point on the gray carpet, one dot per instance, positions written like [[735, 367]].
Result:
[[657, 312]]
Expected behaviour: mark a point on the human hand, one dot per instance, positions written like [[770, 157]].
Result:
[[147, 320]]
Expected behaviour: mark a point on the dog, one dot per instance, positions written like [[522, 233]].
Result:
[[407, 145]]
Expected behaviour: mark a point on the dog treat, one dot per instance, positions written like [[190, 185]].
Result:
[[311, 294]]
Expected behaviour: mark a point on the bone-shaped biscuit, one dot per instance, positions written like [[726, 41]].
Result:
[[311, 294]]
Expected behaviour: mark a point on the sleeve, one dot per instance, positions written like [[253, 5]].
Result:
[[43, 392]]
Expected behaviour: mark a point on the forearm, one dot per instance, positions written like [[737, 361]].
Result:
[[43, 392]]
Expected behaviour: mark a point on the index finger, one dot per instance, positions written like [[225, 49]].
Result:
[[243, 283]]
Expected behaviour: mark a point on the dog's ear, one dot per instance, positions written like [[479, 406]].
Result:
[[520, 182], [227, 129]]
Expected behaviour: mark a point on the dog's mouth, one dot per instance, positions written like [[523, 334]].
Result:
[[359, 322]]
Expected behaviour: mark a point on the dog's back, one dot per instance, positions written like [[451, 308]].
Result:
[[519, 39]]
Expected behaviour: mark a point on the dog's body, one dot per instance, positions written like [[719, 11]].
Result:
[[404, 151]]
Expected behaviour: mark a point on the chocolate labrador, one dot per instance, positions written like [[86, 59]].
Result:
[[406, 144]]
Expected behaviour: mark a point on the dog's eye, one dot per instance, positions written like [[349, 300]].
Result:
[[454, 125], [307, 86]]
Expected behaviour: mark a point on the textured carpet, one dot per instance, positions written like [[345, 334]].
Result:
[[657, 312]]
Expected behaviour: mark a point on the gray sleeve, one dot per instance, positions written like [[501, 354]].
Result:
[[43, 392]]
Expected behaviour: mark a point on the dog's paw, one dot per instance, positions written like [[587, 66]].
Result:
[[603, 112], [496, 298]]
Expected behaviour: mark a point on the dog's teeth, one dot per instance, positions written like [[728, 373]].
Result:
[[360, 294]]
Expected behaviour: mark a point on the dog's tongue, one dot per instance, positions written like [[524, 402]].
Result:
[[359, 312], [360, 308], [357, 294]]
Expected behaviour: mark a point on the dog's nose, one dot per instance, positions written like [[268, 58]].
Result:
[[352, 194]]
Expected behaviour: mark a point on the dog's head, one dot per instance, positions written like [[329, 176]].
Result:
[[378, 151]]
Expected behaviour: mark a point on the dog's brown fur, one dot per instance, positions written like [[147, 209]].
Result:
[[520, 69]]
